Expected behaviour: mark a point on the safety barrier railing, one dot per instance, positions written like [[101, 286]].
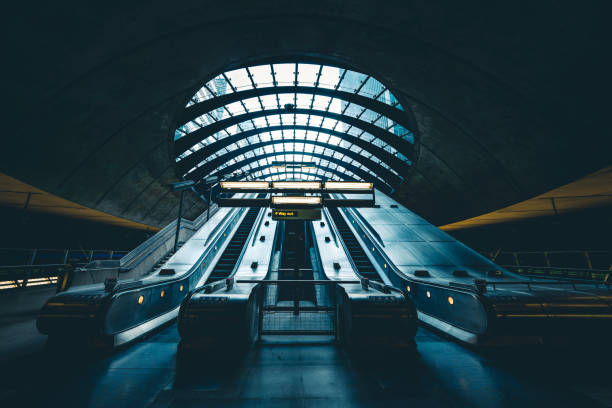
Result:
[[55, 256], [43, 266], [598, 260], [562, 273], [21, 276]]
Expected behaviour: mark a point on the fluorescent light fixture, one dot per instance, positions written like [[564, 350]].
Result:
[[245, 185], [298, 185], [296, 200], [347, 185]]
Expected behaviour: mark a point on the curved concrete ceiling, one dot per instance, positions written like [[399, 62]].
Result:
[[15, 194], [508, 101], [592, 191]]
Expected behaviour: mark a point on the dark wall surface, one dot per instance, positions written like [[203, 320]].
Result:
[[509, 100], [588, 229], [36, 230]]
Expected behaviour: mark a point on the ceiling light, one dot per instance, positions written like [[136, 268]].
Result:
[[300, 185], [245, 185], [347, 185], [296, 200]]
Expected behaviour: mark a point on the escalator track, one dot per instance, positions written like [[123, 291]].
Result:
[[360, 259], [231, 254]]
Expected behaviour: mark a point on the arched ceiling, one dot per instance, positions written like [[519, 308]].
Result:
[[505, 101], [293, 111]]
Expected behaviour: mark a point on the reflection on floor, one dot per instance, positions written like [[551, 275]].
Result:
[[311, 372]]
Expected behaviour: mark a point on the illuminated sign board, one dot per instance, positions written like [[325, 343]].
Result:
[[297, 215]]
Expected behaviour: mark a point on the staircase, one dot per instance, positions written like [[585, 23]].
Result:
[[162, 261]]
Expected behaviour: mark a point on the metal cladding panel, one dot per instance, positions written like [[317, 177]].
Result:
[[215, 317], [462, 255], [382, 318], [417, 254], [431, 233], [396, 232], [460, 309]]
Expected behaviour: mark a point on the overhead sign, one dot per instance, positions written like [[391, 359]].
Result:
[[306, 214]]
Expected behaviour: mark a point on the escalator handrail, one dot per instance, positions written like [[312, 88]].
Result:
[[329, 222], [258, 223], [119, 291]]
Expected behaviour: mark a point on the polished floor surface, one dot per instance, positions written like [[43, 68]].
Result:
[[309, 372]]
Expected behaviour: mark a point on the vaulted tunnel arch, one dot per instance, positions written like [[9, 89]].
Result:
[[324, 112]]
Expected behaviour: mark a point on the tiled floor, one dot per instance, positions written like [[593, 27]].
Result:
[[309, 373]]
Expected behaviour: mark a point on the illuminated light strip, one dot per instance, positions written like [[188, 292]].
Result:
[[347, 185], [301, 185], [245, 184], [38, 283], [552, 315], [296, 200], [8, 285]]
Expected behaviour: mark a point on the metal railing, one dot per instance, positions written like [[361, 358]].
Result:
[[572, 264], [568, 259], [297, 307], [561, 273], [21, 276], [55, 256], [43, 266]]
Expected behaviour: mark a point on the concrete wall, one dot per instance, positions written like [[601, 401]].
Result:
[[509, 100]]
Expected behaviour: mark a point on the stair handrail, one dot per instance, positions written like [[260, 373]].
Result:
[[137, 255]]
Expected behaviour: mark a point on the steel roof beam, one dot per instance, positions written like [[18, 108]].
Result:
[[190, 139], [198, 109], [375, 168], [335, 172], [198, 156]]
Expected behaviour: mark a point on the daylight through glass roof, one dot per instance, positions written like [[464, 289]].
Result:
[[332, 123]]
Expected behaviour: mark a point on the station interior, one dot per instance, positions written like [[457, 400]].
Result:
[[306, 204]]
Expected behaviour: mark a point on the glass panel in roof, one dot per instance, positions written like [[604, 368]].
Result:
[[352, 81], [262, 75], [285, 98], [329, 77], [303, 100], [307, 74], [239, 79], [269, 101], [284, 74], [372, 88]]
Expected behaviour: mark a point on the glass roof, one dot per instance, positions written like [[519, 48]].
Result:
[[295, 109]]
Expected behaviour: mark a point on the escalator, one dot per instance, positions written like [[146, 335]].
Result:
[[360, 259], [229, 258]]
